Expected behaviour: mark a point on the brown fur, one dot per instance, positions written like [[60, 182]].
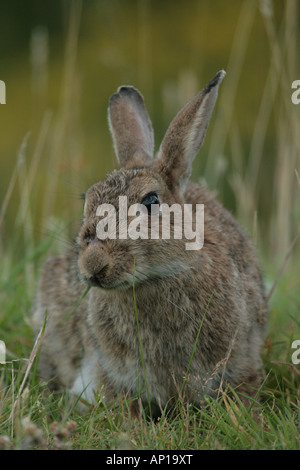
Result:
[[218, 288]]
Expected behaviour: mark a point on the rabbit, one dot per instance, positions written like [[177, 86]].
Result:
[[156, 320]]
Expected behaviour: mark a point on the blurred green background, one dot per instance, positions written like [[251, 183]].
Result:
[[61, 61]]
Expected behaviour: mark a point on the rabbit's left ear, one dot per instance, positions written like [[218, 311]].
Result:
[[185, 136], [131, 128]]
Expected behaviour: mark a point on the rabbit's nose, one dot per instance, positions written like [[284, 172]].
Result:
[[95, 279]]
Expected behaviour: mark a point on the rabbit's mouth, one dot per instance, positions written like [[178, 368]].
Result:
[[102, 281], [93, 281]]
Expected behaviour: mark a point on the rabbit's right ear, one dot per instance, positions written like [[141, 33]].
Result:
[[185, 136], [131, 128]]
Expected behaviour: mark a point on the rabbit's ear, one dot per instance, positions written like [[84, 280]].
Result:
[[186, 134], [131, 128]]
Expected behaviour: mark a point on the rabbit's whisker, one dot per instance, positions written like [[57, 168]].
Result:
[[191, 318]]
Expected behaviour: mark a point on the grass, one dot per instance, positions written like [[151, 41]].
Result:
[[40, 421], [30, 417]]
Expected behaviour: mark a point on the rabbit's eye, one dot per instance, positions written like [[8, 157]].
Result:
[[150, 199]]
